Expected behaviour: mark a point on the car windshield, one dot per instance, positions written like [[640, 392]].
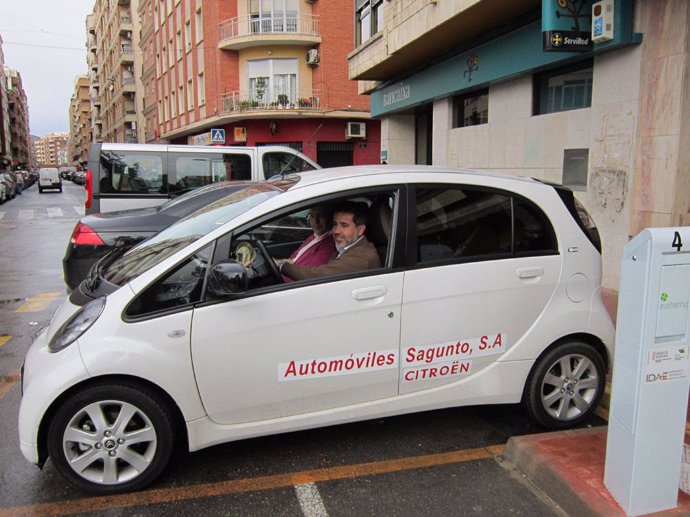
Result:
[[169, 241]]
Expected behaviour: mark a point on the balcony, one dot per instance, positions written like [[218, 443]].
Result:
[[251, 31], [126, 25], [91, 23], [126, 53], [243, 101]]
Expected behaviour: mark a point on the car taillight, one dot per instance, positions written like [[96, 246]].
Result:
[[89, 189], [83, 235]]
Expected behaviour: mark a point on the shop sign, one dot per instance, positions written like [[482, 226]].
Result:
[[566, 25]]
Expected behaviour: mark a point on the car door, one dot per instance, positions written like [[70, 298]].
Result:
[[480, 280], [298, 348]]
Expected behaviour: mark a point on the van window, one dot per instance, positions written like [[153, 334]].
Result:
[[278, 162], [127, 171], [189, 171]]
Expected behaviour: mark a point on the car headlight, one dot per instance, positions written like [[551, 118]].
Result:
[[77, 325]]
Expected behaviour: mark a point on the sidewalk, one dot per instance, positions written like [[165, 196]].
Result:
[[569, 465]]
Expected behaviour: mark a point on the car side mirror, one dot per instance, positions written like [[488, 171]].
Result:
[[228, 277]]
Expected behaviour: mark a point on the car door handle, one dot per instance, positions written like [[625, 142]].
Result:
[[530, 272], [368, 293]]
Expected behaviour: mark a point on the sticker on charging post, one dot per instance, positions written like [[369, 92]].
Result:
[[667, 364]]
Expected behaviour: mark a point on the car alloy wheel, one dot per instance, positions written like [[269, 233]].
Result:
[[565, 385], [111, 438]]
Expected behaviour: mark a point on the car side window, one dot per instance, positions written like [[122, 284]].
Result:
[[180, 287], [131, 172], [533, 231], [279, 162], [456, 223]]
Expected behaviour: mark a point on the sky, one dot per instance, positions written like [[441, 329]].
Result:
[[45, 41]]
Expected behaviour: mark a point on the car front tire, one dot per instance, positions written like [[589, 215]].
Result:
[[111, 438], [40, 190], [565, 385]]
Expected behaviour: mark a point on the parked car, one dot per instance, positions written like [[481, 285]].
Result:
[[3, 192], [96, 235], [488, 292], [10, 184], [49, 178], [79, 177]]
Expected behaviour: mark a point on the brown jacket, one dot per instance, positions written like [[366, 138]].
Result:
[[359, 257]]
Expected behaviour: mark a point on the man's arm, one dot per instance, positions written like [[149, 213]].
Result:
[[356, 259]]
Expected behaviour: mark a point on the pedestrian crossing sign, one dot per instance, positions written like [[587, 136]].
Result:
[[218, 136]]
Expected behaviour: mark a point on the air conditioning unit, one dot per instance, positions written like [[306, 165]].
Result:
[[356, 130], [313, 57]]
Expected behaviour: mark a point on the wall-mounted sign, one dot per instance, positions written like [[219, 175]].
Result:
[[201, 139], [566, 25], [218, 136], [240, 134]]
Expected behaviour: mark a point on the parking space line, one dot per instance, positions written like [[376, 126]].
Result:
[[310, 500], [79, 210], [39, 302], [239, 486], [7, 383], [2, 214], [4, 339], [54, 211], [25, 214]]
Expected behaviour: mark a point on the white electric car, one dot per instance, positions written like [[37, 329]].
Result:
[[488, 292]]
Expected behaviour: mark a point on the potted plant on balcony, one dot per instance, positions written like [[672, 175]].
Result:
[[305, 102], [283, 101]]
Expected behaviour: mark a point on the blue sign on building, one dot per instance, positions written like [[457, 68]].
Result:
[[218, 136]]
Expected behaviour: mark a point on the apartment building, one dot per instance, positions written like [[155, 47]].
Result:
[[20, 145], [52, 150], [80, 122], [113, 59], [5, 139], [250, 72], [508, 87]]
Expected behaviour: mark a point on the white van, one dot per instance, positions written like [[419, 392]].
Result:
[[49, 178], [126, 176]]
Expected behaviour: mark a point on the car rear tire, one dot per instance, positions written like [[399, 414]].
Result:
[[111, 438], [565, 385]]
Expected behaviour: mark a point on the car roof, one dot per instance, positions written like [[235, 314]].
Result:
[[336, 173]]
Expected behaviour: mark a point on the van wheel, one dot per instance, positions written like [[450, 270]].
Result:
[[565, 385], [111, 438]]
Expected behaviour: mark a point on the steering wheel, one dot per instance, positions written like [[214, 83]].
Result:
[[269, 260]]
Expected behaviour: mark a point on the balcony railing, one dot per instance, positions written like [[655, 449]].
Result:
[[270, 100], [298, 25]]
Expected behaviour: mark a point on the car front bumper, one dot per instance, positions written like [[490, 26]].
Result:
[[46, 375]]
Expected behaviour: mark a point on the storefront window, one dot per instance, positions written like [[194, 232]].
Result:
[[471, 109], [564, 89]]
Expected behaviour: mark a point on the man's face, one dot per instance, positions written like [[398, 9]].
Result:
[[345, 231], [319, 221]]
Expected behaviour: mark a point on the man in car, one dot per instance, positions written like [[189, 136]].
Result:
[[353, 251]]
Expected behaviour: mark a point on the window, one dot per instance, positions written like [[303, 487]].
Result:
[[173, 104], [171, 53], [281, 237], [274, 16], [180, 99], [564, 89], [460, 223], [273, 81], [180, 44], [190, 95], [131, 172], [180, 288], [166, 113], [191, 171], [199, 25], [368, 19], [188, 34], [201, 88], [471, 109], [278, 163]]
